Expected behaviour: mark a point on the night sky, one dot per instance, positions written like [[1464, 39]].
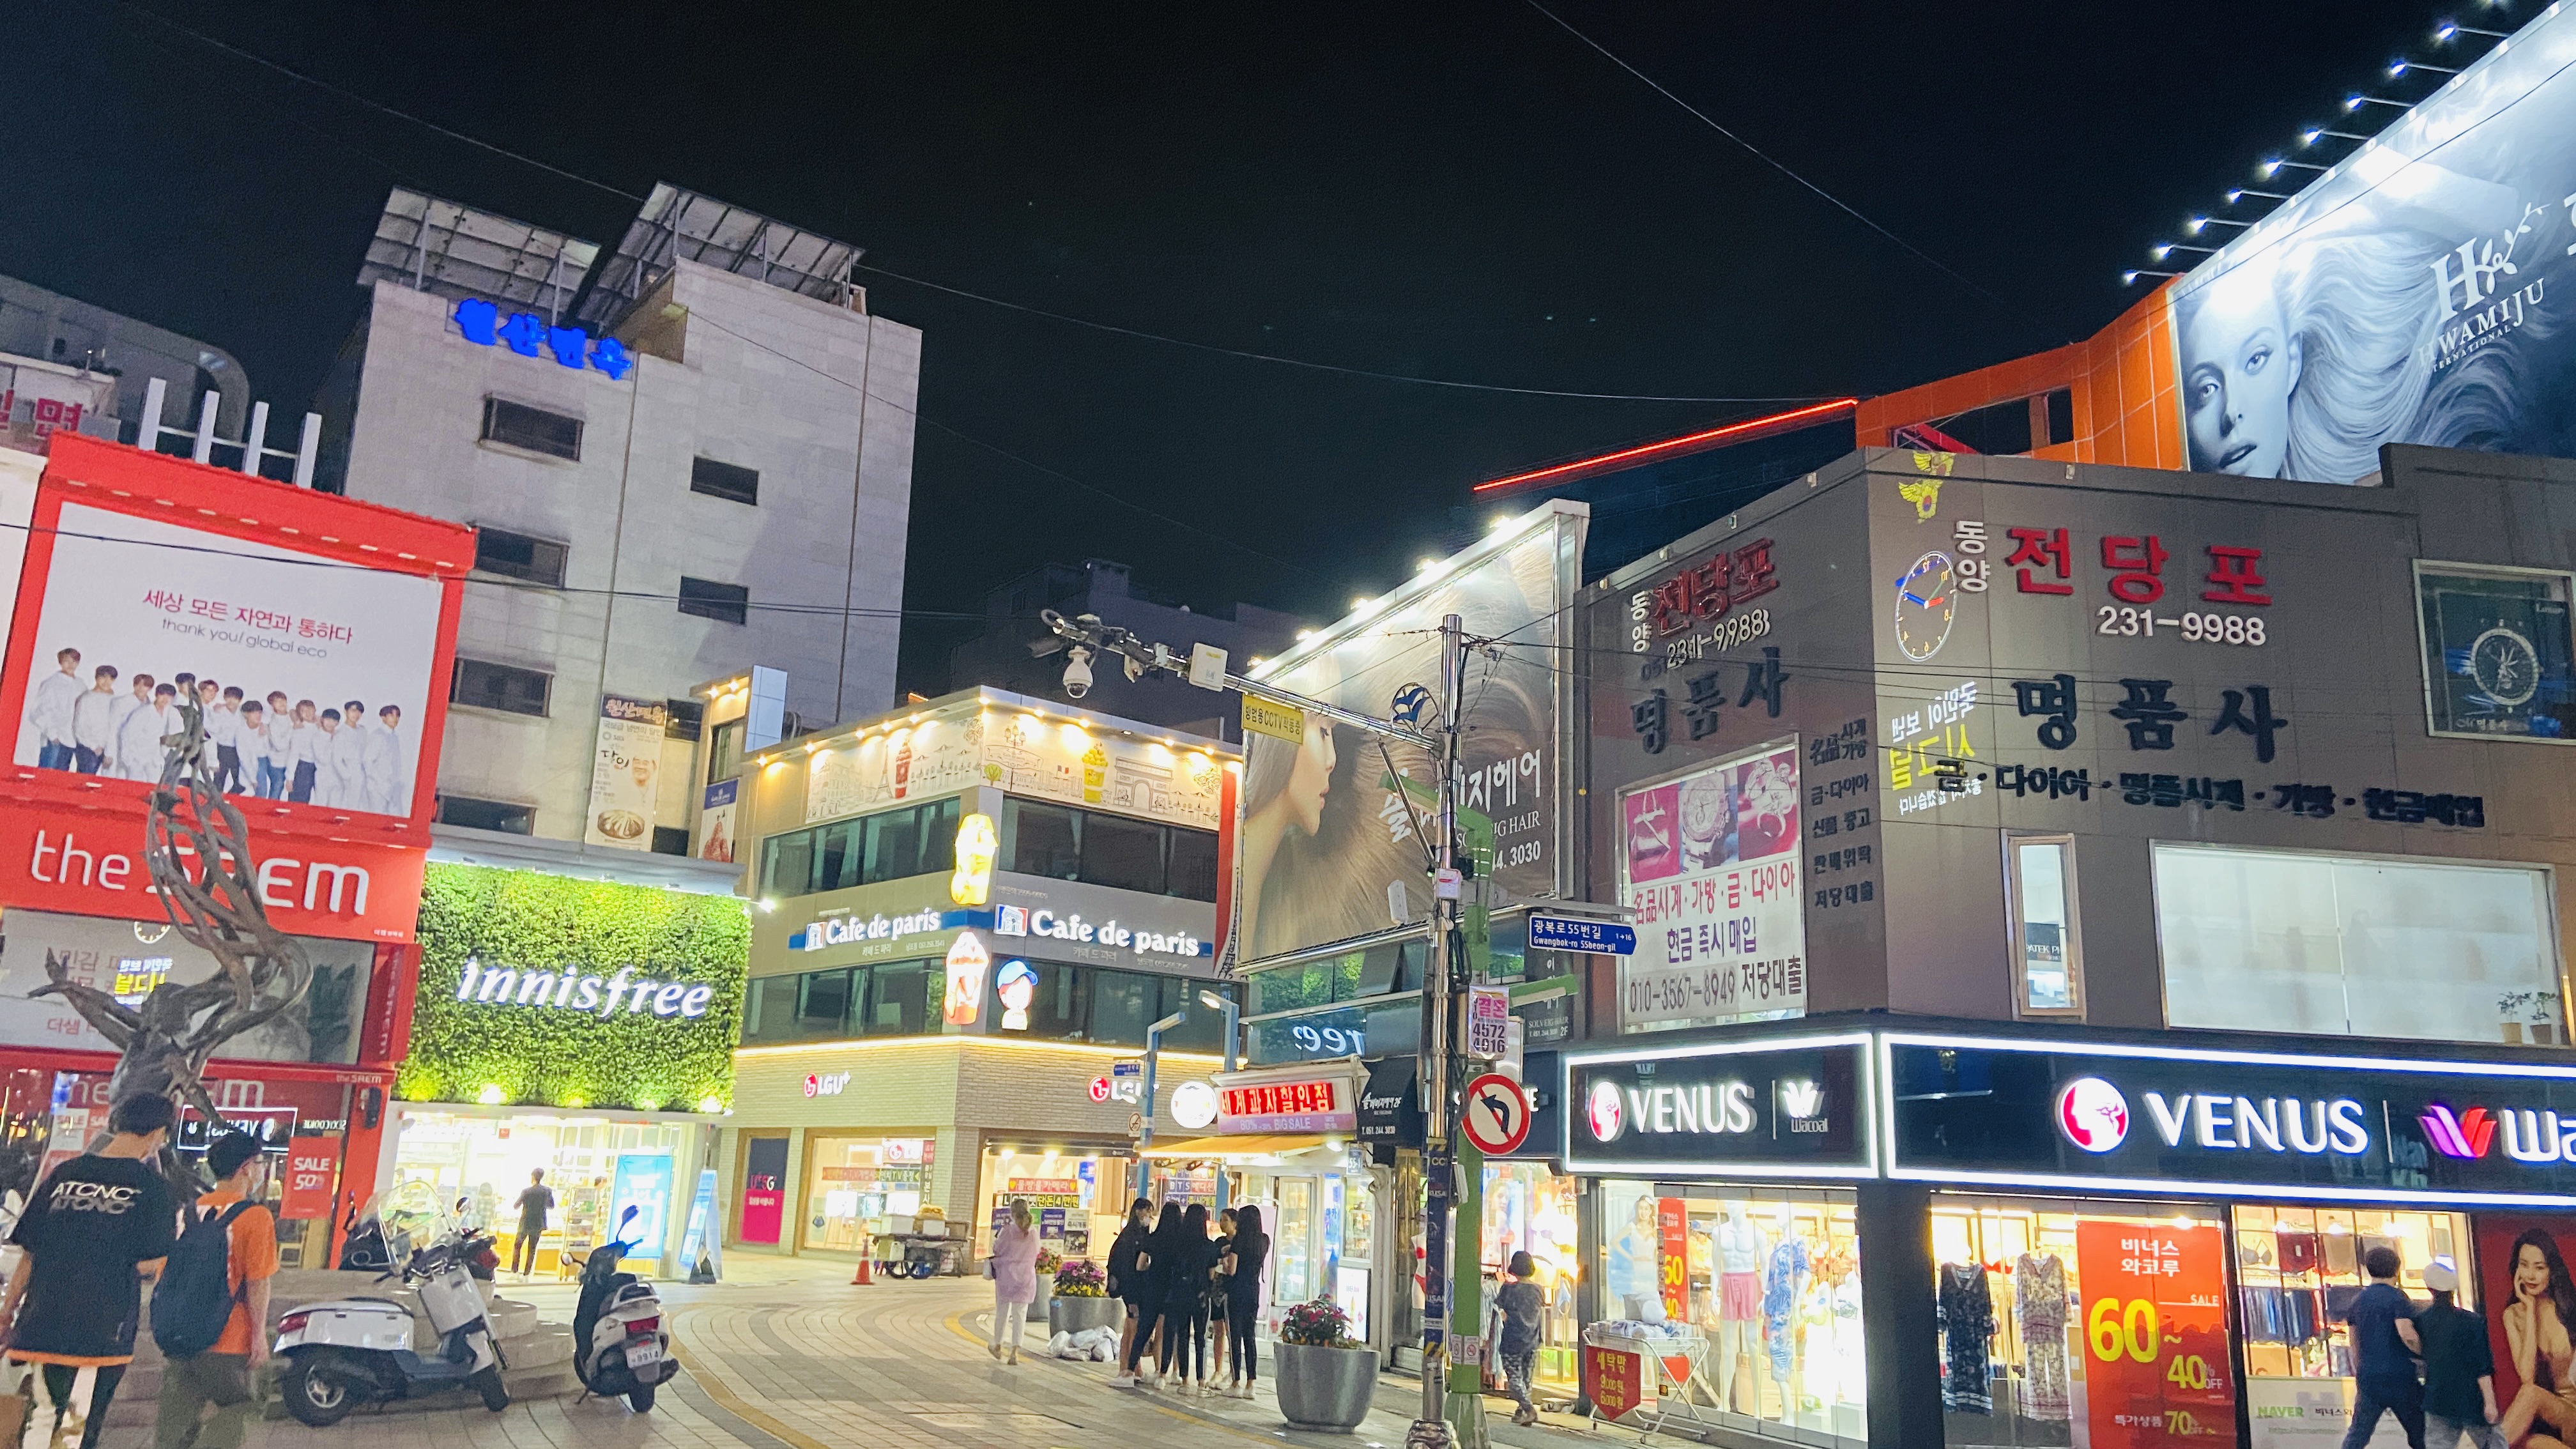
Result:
[[1453, 190]]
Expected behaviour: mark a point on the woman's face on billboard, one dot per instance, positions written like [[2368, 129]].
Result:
[[1312, 776], [2530, 1272], [2240, 363]]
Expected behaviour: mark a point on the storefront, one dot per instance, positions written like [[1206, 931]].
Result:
[[579, 1025], [2074, 1238]]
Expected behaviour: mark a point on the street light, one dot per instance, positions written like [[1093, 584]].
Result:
[[2313, 134], [1145, 1113], [2397, 68], [2240, 193], [2130, 277], [2443, 32], [2357, 100]]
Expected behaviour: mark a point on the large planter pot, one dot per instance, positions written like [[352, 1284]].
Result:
[[1073, 1315], [1038, 1305], [1323, 1388]]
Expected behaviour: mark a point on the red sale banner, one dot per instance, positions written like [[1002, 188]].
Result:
[[1672, 1224], [312, 1171], [2153, 1320], [1615, 1379]]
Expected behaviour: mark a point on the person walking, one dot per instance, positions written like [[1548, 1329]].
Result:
[[2459, 1367], [1014, 1271], [1521, 1302], [1127, 1285], [536, 1200], [2384, 1349], [97, 1227], [1186, 1273], [1243, 1262], [1217, 1279], [221, 1377], [1150, 1274]]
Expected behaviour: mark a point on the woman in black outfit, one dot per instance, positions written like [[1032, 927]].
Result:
[[1127, 1284], [1243, 1298], [1150, 1271], [1185, 1289]]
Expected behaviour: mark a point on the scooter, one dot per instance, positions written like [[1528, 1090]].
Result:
[[344, 1352], [618, 1325]]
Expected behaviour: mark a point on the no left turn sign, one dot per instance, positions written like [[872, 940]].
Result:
[[1495, 1114]]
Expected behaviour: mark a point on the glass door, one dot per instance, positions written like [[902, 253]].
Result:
[[1293, 1281]]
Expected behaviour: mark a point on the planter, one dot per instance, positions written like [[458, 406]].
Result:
[[1038, 1305], [1323, 1388], [1073, 1315]]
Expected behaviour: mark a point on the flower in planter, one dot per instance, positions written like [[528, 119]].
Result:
[[1077, 1277], [1320, 1323], [1049, 1260]]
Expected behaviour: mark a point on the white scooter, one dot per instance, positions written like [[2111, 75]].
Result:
[[345, 1352], [618, 1323]]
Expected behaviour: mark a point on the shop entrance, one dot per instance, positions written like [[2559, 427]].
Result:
[[1323, 1234]]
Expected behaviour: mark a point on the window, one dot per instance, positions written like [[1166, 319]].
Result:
[[518, 556], [902, 998], [823, 1003], [687, 717], [506, 687], [1128, 854], [724, 751], [2496, 652], [519, 426], [2355, 945], [724, 603], [670, 840], [1063, 843], [1194, 865], [1047, 840], [724, 480], [2048, 956], [476, 814], [891, 845]]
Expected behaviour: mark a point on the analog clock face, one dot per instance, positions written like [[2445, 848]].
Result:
[[1925, 600], [2505, 665]]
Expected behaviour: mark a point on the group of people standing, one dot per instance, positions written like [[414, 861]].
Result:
[[274, 749], [1176, 1281]]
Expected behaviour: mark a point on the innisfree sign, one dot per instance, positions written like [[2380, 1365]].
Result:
[[600, 996]]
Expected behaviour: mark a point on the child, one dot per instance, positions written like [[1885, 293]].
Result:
[[1521, 1303]]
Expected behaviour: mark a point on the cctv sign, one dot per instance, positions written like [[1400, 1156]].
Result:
[[1796, 1107]]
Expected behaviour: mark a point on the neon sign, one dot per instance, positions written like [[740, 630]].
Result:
[[977, 845], [590, 995], [968, 963], [530, 335]]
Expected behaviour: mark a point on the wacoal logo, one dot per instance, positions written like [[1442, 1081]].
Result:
[[2529, 1135], [2466, 1135]]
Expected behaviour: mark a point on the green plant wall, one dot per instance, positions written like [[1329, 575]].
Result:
[[528, 920]]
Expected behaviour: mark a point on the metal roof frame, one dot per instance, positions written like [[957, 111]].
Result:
[[444, 247], [681, 225]]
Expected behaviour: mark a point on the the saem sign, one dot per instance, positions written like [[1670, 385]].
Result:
[[2174, 1119]]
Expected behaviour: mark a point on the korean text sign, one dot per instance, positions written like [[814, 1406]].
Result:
[[1709, 862], [2151, 1322]]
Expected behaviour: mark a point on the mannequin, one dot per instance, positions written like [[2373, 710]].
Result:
[[1635, 1277], [1784, 1286], [1739, 1298]]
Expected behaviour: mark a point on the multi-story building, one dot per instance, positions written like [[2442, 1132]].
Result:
[[66, 364], [685, 455], [998, 656]]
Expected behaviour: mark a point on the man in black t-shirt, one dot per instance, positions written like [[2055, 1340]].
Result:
[[93, 1231], [534, 1204], [2384, 1348]]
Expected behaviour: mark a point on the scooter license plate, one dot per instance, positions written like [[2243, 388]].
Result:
[[644, 1354]]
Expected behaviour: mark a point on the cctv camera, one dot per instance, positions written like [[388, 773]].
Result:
[[1077, 672]]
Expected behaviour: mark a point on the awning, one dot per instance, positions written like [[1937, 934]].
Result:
[[1240, 1144]]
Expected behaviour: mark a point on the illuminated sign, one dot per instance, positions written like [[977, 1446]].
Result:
[[530, 335], [977, 844], [1287, 1104], [1194, 1104], [1794, 1106], [826, 1084], [1016, 921], [968, 964], [601, 996], [1016, 987], [137, 975], [848, 928]]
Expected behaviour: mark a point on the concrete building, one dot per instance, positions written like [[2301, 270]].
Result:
[[687, 455], [998, 657], [58, 353]]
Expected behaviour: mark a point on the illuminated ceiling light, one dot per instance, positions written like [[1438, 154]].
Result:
[[1427, 565], [2356, 101], [492, 1095], [1302, 636], [710, 1105], [2130, 278], [2313, 134], [2240, 193], [2198, 222]]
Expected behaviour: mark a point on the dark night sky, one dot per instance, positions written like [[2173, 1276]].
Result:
[[1460, 190]]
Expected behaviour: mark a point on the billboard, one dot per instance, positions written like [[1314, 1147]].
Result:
[[1329, 850], [626, 773], [1709, 862], [962, 746], [333, 662], [2419, 292]]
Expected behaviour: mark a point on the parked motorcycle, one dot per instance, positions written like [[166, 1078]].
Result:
[[344, 1352], [621, 1346]]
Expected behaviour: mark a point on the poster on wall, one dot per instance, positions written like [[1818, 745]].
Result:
[[1328, 838], [337, 660], [626, 773], [2418, 293], [1710, 864], [643, 1182], [764, 1194], [2151, 1324], [715, 821], [2528, 1294]]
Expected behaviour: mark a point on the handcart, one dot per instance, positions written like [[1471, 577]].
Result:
[[1642, 1375]]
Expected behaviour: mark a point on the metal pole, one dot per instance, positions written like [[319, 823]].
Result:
[[1145, 1135], [1430, 1430]]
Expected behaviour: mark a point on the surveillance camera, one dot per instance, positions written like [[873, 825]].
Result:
[[1077, 672]]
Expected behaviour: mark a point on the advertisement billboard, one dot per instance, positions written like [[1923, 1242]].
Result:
[[959, 747], [1709, 862], [2419, 292], [1329, 850], [626, 774], [315, 675]]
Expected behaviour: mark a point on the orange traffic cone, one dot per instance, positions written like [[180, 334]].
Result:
[[864, 1275]]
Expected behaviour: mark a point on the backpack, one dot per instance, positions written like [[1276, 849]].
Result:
[[194, 1299]]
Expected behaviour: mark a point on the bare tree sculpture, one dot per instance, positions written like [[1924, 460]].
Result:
[[263, 973]]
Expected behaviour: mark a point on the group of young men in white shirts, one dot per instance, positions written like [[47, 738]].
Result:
[[272, 748]]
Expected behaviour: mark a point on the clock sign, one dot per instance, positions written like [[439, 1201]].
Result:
[[1925, 600], [2505, 665]]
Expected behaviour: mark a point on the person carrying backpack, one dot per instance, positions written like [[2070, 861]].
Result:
[[210, 1310]]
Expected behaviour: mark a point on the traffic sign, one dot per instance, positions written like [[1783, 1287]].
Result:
[[1495, 1114], [1569, 933]]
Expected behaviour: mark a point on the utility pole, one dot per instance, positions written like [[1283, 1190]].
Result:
[[1443, 1032]]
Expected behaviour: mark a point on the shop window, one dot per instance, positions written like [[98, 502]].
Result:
[[787, 864], [1123, 1004], [2299, 1268], [724, 751], [2048, 957], [903, 999], [769, 1009], [1063, 843], [1194, 865], [1529, 1209], [823, 1003], [2497, 652], [1388, 1025], [1047, 840], [869, 850], [1124, 853], [2351, 945], [1755, 1293], [894, 844], [517, 425]]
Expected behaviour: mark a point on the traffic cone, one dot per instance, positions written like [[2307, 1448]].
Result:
[[864, 1275]]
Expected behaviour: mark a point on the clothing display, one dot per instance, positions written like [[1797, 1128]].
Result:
[[2340, 1258], [2290, 1316], [2299, 1252], [1781, 1280], [1967, 1331], [1739, 1295], [2039, 1306]]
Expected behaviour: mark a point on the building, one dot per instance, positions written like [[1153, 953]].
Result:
[[971, 916], [998, 657], [134, 572], [682, 454], [67, 364], [2106, 902]]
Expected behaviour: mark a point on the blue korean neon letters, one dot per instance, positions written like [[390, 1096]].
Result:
[[529, 335]]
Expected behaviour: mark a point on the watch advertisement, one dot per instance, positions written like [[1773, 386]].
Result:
[[2496, 651], [1709, 862]]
